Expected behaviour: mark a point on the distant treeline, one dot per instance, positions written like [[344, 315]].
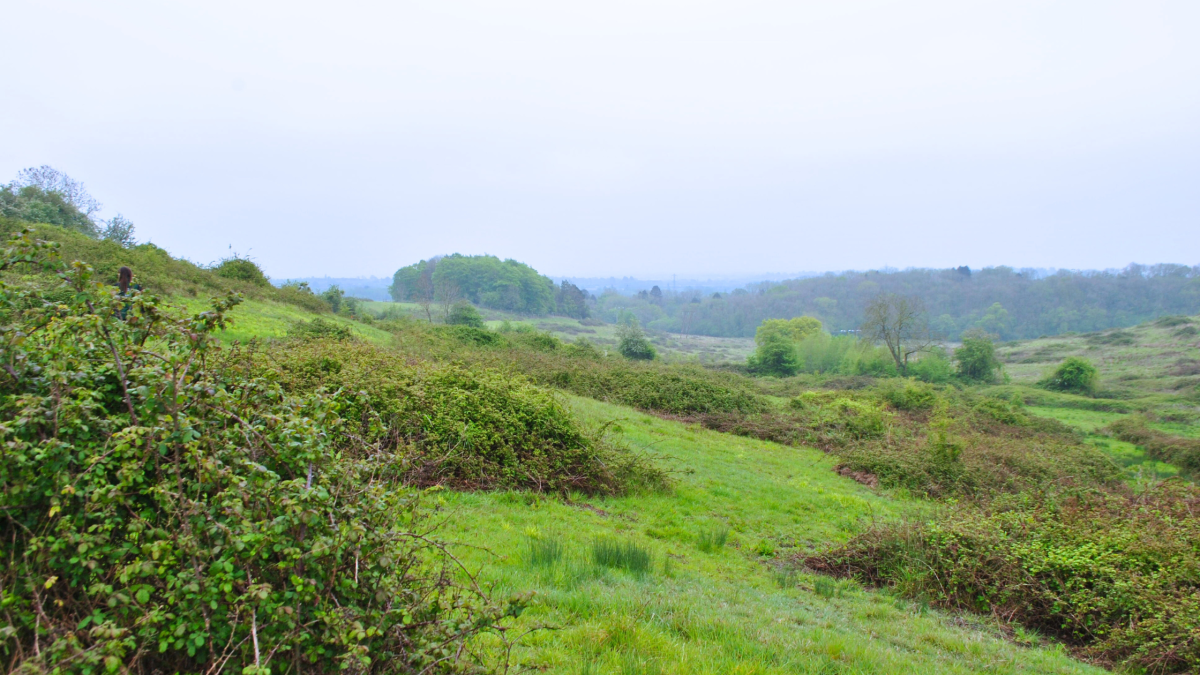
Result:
[[1000, 300], [487, 281]]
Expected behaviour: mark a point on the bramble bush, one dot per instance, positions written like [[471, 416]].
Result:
[[163, 511], [1074, 375], [1115, 575]]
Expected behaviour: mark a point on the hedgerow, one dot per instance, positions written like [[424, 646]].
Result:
[[161, 511], [1115, 575]]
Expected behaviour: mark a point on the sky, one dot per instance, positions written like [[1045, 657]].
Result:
[[618, 138]]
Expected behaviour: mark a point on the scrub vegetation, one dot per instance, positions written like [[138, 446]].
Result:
[[279, 481]]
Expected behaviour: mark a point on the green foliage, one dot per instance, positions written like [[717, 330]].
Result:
[[632, 342], [241, 269], [1074, 375], [1114, 574], [320, 329], [483, 279], [794, 329], [300, 294], [462, 427], [1002, 301], [164, 510], [464, 314], [976, 358], [334, 296], [776, 354], [908, 395], [933, 367], [32, 204]]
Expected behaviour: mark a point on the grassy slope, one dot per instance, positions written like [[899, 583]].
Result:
[[725, 612], [1149, 368], [270, 319], [728, 611]]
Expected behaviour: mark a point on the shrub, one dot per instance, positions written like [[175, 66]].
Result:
[[976, 358], [1112, 574], [908, 395], [933, 367], [320, 329], [1074, 375], [632, 342], [776, 354], [464, 314], [241, 269], [462, 427], [164, 511]]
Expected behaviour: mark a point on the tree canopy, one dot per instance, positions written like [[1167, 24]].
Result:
[[487, 281]]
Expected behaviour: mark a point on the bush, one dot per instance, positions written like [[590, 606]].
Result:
[[461, 427], [464, 314], [632, 342], [933, 367], [976, 358], [776, 354], [241, 269], [320, 329], [1074, 375], [164, 511], [1113, 575]]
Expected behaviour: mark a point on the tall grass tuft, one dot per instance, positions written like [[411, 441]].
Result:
[[543, 552], [712, 539], [625, 555]]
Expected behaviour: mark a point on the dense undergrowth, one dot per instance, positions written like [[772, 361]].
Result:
[[1112, 573], [1184, 453], [459, 426], [161, 511]]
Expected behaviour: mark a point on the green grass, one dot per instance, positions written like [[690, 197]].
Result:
[[692, 612], [264, 319]]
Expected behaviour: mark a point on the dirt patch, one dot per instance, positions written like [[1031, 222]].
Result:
[[868, 479]]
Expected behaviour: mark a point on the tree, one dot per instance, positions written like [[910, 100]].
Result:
[[464, 313], [794, 329], [976, 358], [656, 295], [119, 230], [423, 288], [900, 322], [48, 179], [446, 293], [333, 295], [571, 300], [632, 342], [776, 354]]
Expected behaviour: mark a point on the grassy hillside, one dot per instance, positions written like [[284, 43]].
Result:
[[607, 567]]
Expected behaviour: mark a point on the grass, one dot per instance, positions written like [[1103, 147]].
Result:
[[698, 613], [265, 319]]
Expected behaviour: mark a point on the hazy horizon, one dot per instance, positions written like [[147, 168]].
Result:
[[629, 139]]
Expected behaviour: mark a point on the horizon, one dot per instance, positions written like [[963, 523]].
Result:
[[626, 139]]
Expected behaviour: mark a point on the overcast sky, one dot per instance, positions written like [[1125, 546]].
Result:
[[642, 137]]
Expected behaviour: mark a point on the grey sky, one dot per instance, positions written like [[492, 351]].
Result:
[[642, 138]]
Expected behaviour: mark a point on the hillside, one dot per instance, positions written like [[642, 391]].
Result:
[[608, 515]]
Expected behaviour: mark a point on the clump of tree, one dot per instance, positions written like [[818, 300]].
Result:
[[46, 195], [1075, 375], [632, 342], [486, 281]]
